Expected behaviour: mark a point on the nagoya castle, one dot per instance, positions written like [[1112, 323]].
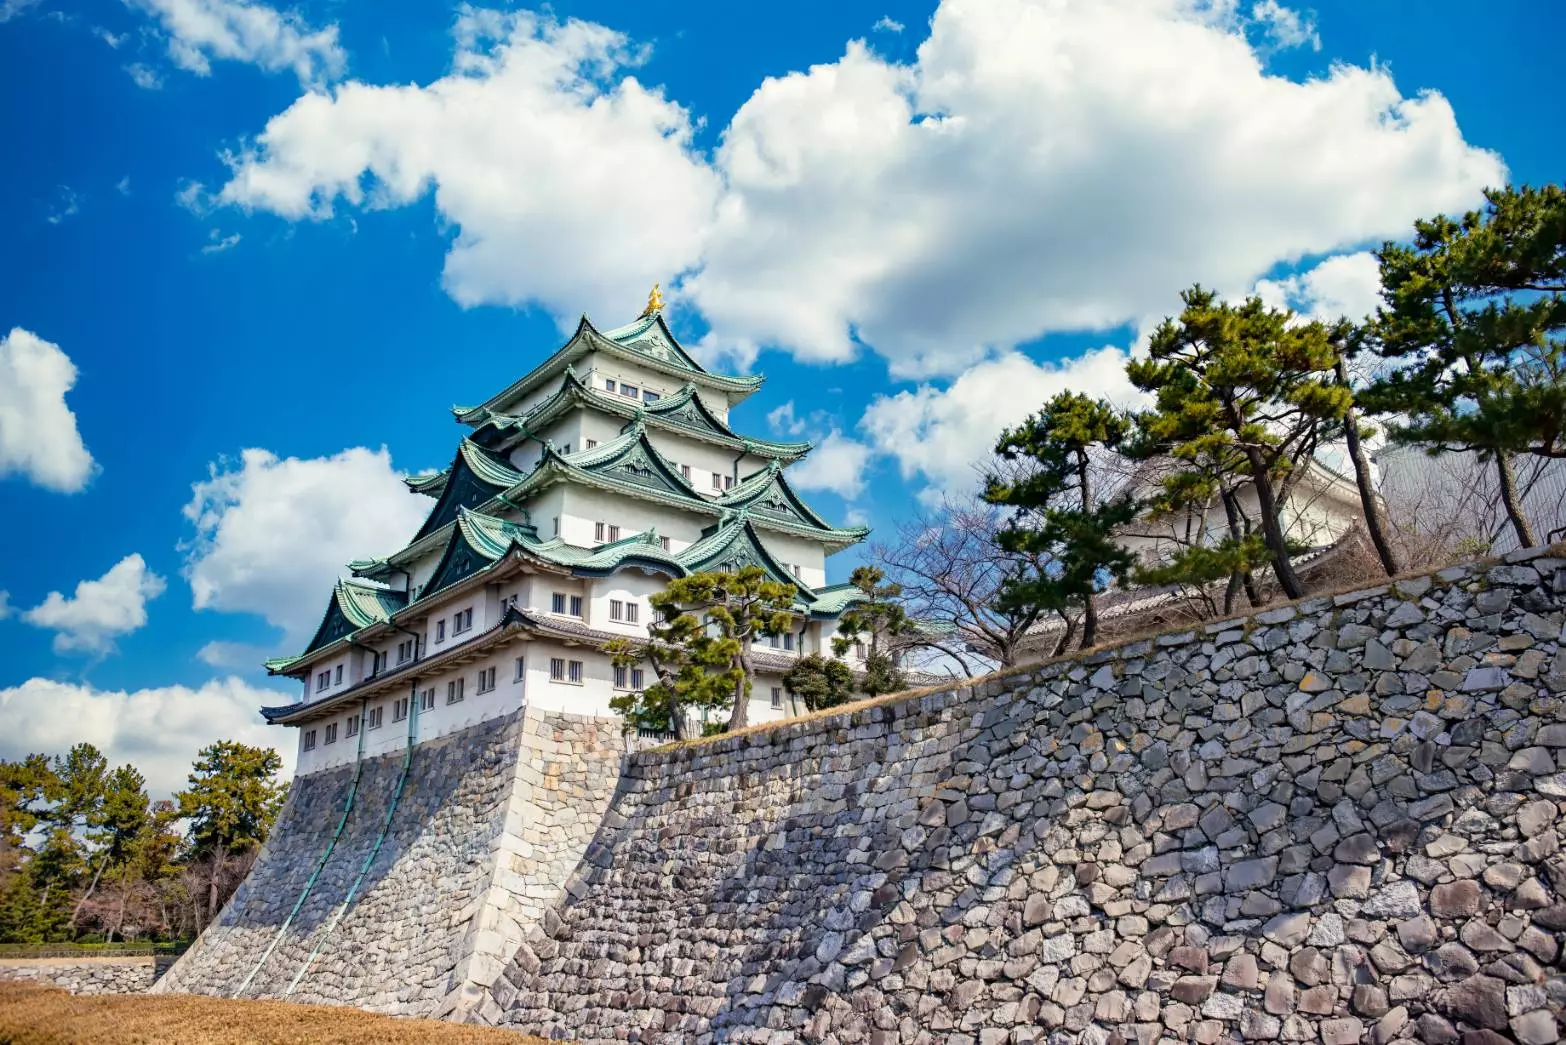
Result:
[[580, 490]]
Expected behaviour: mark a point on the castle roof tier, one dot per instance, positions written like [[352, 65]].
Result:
[[646, 343], [681, 413]]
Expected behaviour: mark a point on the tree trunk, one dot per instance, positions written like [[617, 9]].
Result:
[[91, 886], [1272, 526], [1375, 513], [1231, 512], [1065, 639], [740, 715], [1512, 502]]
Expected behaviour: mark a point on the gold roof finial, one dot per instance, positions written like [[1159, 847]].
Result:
[[654, 302]]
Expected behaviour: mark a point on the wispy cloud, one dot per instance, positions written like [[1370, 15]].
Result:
[[218, 243], [886, 24], [145, 76], [67, 203]]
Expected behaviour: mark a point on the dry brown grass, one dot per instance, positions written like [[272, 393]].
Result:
[[32, 1014], [1557, 550]]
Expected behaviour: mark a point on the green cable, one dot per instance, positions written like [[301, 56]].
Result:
[[391, 810], [342, 821]]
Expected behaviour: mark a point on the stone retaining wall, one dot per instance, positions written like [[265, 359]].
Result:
[[85, 975], [490, 822], [1337, 821]]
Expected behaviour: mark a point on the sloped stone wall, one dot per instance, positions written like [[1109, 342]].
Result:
[[444, 901], [1333, 822]]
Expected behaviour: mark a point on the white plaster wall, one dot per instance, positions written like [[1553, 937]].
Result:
[[627, 586], [583, 506], [808, 555]]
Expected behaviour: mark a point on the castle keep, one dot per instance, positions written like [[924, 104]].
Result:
[[1336, 821]]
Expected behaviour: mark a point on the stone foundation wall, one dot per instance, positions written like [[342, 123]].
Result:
[[85, 975], [1337, 821], [442, 904]]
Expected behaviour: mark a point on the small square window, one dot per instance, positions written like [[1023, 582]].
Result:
[[440, 631], [608, 385], [557, 669], [591, 444], [649, 396], [518, 676], [454, 690], [616, 609], [614, 534], [777, 698], [309, 740], [373, 718], [630, 391], [633, 612], [574, 671], [331, 733], [557, 602], [576, 605], [728, 481]]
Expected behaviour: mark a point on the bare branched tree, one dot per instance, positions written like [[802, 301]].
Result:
[[951, 568]]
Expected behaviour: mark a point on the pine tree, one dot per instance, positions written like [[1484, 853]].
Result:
[[699, 644], [1474, 325], [820, 682], [1059, 515], [1248, 386], [876, 621], [233, 797]]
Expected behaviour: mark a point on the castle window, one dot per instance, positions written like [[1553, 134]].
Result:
[[462, 622], [373, 718], [338, 678], [518, 677], [557, 602], [557, 669], [777, 698], [557, 526], [323, 680], [598, 531], [427, 699], [404, 651], [616, 609], [636, 678], [486, 680], [352, 729], [685, 472], [576, 605], [309, 740], [440, 630], [454, 690], [649, 396], [788, 640], [663, 542], [331, 733], [614, 533], [608, 385], [622, 676], [574, 671], [630, 391], [728, 481], [400, 709], [633, 612], [591, 444]]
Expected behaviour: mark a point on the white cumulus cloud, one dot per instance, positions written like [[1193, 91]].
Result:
[[1345, 285], [1285, 27], [940, 435], [1050, 166], [837, 464], [101, 610], [569, 183], [38, 436], [159, 730], [203, 31], [272, 534]]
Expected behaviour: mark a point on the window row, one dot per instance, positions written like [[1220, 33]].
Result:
[[461, 621], [456, 689], [646, 395], [608, 533]]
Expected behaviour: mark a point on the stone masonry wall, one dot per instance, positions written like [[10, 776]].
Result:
[[1336, 822], [85, 975], [444, 902]]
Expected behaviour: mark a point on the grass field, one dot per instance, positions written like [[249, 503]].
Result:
[[36, 1015]]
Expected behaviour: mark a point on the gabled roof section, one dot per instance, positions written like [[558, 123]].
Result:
[[682, 412], [635, 343], [734, 544], [640, 549], [767, 493], [353, 605], [476, 542], [474, 478], [629, 459]]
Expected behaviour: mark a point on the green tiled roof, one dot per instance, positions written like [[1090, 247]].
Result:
[[431, 483], [647, 344], [475, 477], [682, 412], [767, 495], [354, 605]]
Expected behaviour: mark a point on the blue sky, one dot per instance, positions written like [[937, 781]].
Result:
[[298, 232]]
